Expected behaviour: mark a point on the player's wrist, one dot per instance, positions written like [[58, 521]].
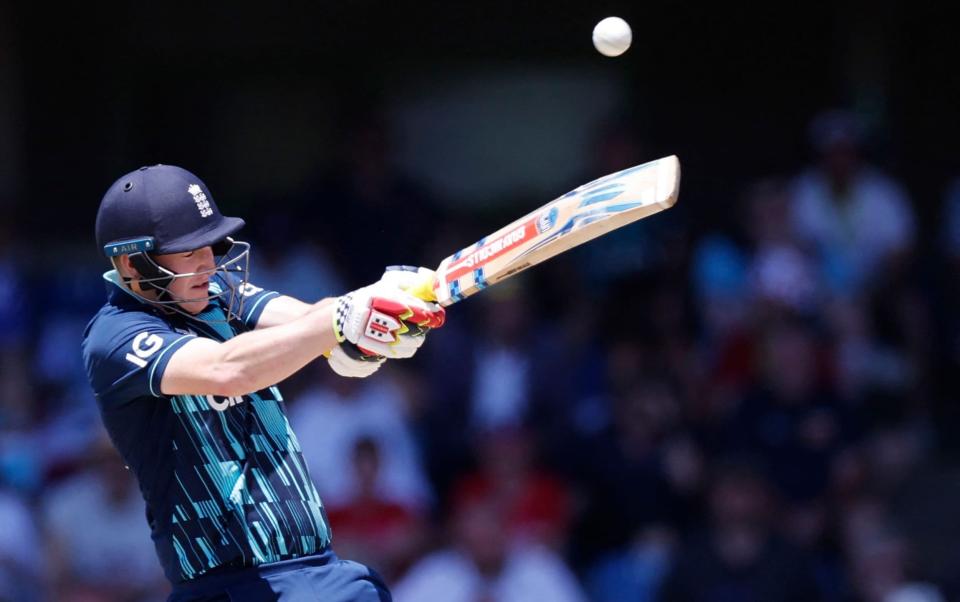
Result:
[[342, 313]]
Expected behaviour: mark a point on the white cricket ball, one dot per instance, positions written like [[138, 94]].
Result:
[[612, 36]]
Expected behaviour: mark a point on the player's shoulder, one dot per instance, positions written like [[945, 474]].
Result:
[[125, 351], [114, 325]]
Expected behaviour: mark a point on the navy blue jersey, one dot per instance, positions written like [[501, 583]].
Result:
[[224, 481]]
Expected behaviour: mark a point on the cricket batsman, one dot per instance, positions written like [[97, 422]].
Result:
[[185, 358]]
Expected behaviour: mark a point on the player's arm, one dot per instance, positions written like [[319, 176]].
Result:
[[250, 361], [374, 320], [284, 309]]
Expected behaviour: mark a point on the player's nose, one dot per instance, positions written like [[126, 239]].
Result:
[[205, 259]]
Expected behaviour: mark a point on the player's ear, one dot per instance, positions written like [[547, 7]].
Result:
[[128, 273], [125, 267]]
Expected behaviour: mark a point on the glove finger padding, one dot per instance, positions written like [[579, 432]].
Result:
[[407, 278], [406, 345], [344, 364], [355, 353], [412, 312], [419, 318]]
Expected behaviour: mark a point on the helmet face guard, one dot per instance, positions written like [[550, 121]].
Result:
[[233, 264]]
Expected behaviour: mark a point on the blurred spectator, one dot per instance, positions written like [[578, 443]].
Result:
[[856, 216], [443, 419], [639, 472], [743, 278], [370, 529], [482, 565], [779, 272], [789, 417], [535, 504], [22, 554], [903, 335], [98, 536], [21, 459], [502, 361], [636, 572], [915, 592], [739, 557], [719, 278], [55, 362], [878, 557], [897, 445], [337, 412], [758, 263], [303, 270], [864, 364], [521, 368]]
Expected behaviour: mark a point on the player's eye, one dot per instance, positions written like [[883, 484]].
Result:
[[189, 254]]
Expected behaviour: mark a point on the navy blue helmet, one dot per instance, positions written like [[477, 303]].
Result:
[[162, 209]]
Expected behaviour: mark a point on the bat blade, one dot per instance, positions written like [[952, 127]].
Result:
[[580, 215]]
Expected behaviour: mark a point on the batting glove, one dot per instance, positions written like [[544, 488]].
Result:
[[410, 278], [379, 319]]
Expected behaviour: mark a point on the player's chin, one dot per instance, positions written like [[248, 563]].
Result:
[[194, 307]]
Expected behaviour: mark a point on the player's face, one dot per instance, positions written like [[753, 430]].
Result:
[[190, 287]]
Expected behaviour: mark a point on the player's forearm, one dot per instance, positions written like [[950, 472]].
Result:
[[284, 309], [261, 358]]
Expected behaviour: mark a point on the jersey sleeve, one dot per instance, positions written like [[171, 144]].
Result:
[[126, 354], [249, 301]]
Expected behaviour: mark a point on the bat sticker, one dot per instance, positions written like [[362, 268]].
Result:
[[547, 220]]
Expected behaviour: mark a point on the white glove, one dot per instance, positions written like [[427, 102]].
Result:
[[344, 365], [376, 318], [406, 276]]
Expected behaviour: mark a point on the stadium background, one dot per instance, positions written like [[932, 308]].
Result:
[[709, 405]]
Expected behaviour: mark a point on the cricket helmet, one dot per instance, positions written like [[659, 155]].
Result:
[[163, 209]]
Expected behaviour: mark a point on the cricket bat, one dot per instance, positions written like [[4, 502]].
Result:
[[580, 215]]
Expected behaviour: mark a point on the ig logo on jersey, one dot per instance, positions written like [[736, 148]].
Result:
[[144, 345]]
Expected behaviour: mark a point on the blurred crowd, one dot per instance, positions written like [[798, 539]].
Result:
[[759, 407]]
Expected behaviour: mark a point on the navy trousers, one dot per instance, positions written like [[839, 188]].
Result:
[[320, 578]]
